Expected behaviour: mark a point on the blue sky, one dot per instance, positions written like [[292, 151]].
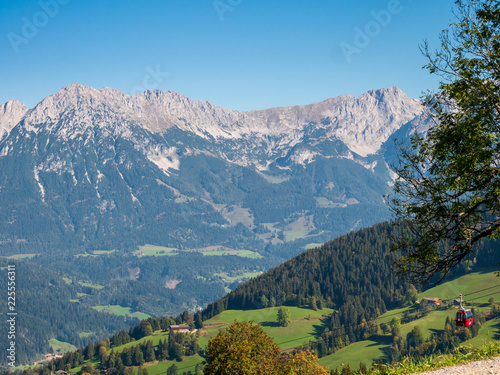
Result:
[[238, 54]]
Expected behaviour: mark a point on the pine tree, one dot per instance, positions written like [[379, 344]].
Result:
[[128, 357], [150, 352], [90, 352], [138, 358], [198, 322]]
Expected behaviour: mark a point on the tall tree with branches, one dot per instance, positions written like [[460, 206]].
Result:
[[447, 196]]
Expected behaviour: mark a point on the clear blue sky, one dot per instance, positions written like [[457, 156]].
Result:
[[253, 54]]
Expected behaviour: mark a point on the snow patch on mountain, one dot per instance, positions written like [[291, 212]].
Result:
[[100, 176], [5, 150], [303, 157], [40, 186], [369, 166], [165, 159], [53, 163]]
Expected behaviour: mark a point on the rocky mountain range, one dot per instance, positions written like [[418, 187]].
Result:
[[100, 169]]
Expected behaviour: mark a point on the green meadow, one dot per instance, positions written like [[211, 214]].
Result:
[[21, 256], [366, 351], [230, 279], [60, 347], [85, 334], [240, 253], [480, 286], [122, 311], [90, 285], [155, 338], [95, 253], [477, 287], [305, 324], [153, 250], [187, 364]]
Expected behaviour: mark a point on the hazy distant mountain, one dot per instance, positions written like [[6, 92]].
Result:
[[100, 169]]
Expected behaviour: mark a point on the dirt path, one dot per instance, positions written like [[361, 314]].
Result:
[[486, 367]]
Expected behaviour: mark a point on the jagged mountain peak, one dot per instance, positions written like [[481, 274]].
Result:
[[391, 95], [393, 90], [11, 105], [10, 114], [75, 108], [363, 123]]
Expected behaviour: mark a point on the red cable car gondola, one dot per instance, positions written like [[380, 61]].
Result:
[[464, 317]]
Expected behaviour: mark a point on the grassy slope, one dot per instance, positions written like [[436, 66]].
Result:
[[188, 364], [156, 337], [122, 311], [487, 283], [85, 334], [90, 285], [60, 347], [244, 275], [240, 253], [363, 351], [154, 368], [305, 325], [153, 250], [103, 252], [21, 256], [370, 350], [488, 333]]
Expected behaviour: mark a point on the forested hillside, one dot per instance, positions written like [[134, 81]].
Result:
[[352, 274], [62, 304], [48, 308]]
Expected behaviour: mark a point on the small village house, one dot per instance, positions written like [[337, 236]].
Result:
[[432, 302]]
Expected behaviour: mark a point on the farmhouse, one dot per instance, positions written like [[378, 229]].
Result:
[[432, 302], [182, 328]]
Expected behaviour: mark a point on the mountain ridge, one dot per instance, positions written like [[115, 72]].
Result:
[[116, 157], [361, 119]]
